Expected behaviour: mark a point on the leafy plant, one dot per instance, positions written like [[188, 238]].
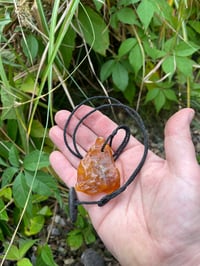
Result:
[[83, 232], [53, 54], [160, 49], [17, 253]]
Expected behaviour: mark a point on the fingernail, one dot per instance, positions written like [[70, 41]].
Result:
[[191, 115]]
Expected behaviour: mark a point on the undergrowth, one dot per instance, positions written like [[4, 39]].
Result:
[[53, 55]]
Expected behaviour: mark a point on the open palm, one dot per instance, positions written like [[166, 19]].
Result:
[[156, 221]]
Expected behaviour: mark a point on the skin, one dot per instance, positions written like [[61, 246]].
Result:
[[156, 221]]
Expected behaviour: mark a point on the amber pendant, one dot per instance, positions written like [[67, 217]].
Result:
[[97, 172]]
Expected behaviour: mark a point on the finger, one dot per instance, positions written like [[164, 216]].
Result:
[[179, 148], [86, 136], [63, 168], [56, 135], [103, 126]]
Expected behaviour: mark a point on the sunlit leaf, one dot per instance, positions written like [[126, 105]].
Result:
[[75, 239], [3, 213], [24, 262], [28, 85], [13, 253], [35, 225], [6, 193], [47, 256], [25, 245]]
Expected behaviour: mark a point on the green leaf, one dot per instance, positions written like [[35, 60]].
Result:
[[8, 175], [35, 225], [24, 262], [3, 163], [153, 52], [12, 129], [120, 76], [135, 58], [67, 46], [151, 94], [47, 256], [126, 46], [170, 44], [94, 29], [127, 2], [37, 129], [106, 69], [30, 47], [159, 101], [89, 235], [75, 239], [170, 95], [145, 12], [6, 193], [44, 184], [28, 85], [80, 222], [127, 16], [186, 49], [8, 102], [21, 192], [14, 156], [98, 4], [185, 66], [169, 65], [45, 211], [36, 160], [4, 20], [25, 245], [130, 91], [3, 213], [195, 25], [13, 253]]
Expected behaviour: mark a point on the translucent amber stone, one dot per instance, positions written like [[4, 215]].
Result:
[[97, 172]]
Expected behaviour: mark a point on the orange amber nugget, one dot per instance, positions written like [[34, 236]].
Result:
[[97, 172]]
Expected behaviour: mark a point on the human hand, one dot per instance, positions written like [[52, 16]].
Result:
[[156, 221]]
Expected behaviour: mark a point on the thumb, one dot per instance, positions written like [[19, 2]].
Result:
[[179, 148]]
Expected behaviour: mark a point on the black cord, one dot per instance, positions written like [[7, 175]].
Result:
[[112, 102]]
